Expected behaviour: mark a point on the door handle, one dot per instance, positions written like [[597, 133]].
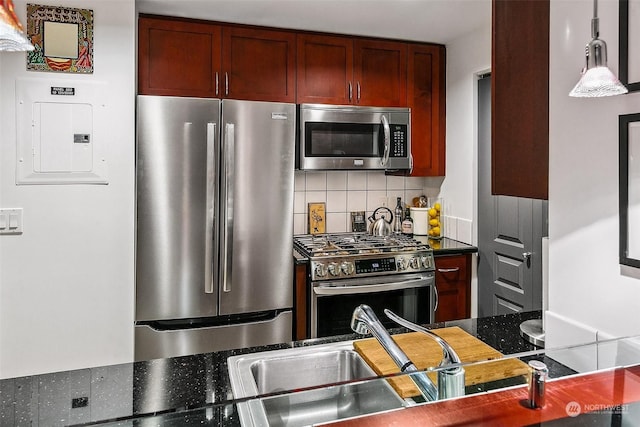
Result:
[[387, 141], [527, 258], [211, 207], [229, 163]]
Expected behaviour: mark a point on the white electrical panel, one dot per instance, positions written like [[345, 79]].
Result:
[[61, 132]]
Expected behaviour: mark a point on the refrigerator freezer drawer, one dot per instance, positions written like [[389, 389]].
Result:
[[154, 344]]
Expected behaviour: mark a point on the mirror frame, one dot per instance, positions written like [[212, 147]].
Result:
[[623, 38], [624, 121]]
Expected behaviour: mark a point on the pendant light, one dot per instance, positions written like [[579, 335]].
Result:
[[12, 36], [597, 80]]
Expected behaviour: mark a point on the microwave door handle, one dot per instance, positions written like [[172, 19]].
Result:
[[210, 206], [227, 248], [387, 141]]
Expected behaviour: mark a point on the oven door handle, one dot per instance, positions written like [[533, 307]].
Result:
[[362, 289]]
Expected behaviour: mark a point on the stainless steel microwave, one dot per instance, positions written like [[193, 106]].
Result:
[[338, 137]]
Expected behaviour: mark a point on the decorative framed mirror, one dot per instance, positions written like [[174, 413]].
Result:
[[629, 187], [629, 38]]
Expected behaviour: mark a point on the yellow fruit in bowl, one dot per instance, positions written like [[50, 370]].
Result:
[[433, 213], [434, 222], [430, 232], [437, 207], [436, 231]]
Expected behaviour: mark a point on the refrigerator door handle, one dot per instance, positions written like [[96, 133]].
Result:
[[210, 205], [227, 248]]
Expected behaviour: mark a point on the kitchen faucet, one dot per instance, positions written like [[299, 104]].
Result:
[[450, 380]]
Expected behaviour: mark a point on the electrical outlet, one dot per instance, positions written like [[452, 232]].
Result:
[[79, 402]]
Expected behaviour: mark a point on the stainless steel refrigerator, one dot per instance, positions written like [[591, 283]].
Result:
[[214, 225]]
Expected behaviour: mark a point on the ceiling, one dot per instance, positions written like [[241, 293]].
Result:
[[435, 21]]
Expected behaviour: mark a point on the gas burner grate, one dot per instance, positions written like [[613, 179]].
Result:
[[354, 243]]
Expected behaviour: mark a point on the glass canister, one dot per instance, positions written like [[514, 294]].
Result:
[[435, 227]]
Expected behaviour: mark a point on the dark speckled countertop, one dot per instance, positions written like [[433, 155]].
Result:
[[189, 390]]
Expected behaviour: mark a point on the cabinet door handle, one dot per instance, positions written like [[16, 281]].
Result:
[[448, 270], [358, 91], [226, 84], [217, 83], [350, 91]]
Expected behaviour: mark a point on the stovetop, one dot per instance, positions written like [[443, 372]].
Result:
[[337, 244], [360, 255]]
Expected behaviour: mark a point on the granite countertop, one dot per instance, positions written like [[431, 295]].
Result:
[[182, 390]]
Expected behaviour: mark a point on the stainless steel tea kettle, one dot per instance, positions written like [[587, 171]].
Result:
[[380, 226]]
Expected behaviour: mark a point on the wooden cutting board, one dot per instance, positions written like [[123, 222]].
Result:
[[424, 352]]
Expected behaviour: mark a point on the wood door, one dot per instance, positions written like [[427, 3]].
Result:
[[520, 98], [380, 73], [325, 69], [426, 97], [258, 64], [453, 281], [510, 231], [177, 57]]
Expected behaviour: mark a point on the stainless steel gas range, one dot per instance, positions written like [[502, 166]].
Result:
[[349, 269]]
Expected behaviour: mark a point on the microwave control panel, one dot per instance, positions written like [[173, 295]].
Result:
[[399, 141]]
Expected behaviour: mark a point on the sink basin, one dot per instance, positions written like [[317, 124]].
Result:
[[336, 365]]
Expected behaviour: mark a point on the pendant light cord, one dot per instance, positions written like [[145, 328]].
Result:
[[595, 27]]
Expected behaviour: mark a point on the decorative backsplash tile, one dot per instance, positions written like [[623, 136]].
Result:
[[344, 192]]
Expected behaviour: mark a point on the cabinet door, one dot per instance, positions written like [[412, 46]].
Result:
[[177, 57], [325, 69], [258, 64], [426, 98], [453, 281], [380, 73], [520, 99]]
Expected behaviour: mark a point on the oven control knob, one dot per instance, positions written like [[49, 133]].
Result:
[[321, 270], [334, 270], [426, 262], [402, 264], [414, 263], [348, 268]]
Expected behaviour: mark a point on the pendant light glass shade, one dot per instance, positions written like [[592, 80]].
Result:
[[597, 80], [12, 36]]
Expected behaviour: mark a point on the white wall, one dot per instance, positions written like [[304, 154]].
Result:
[[587, 286], [67, 283], [467, 57]]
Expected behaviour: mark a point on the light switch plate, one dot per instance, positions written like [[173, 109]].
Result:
[[11, 221]]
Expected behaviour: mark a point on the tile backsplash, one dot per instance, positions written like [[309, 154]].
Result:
[[347, 191]]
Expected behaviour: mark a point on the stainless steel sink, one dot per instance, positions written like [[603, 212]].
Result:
[[285, 371]]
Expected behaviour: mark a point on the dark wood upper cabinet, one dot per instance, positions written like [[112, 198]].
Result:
[[193, 58], [178, 57], [343, 70], [520, 99], [426, 98], [259, 64], [325, 69], [380, 73]]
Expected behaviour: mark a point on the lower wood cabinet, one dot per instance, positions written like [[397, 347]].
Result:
[[300, 307], [453, 283]]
